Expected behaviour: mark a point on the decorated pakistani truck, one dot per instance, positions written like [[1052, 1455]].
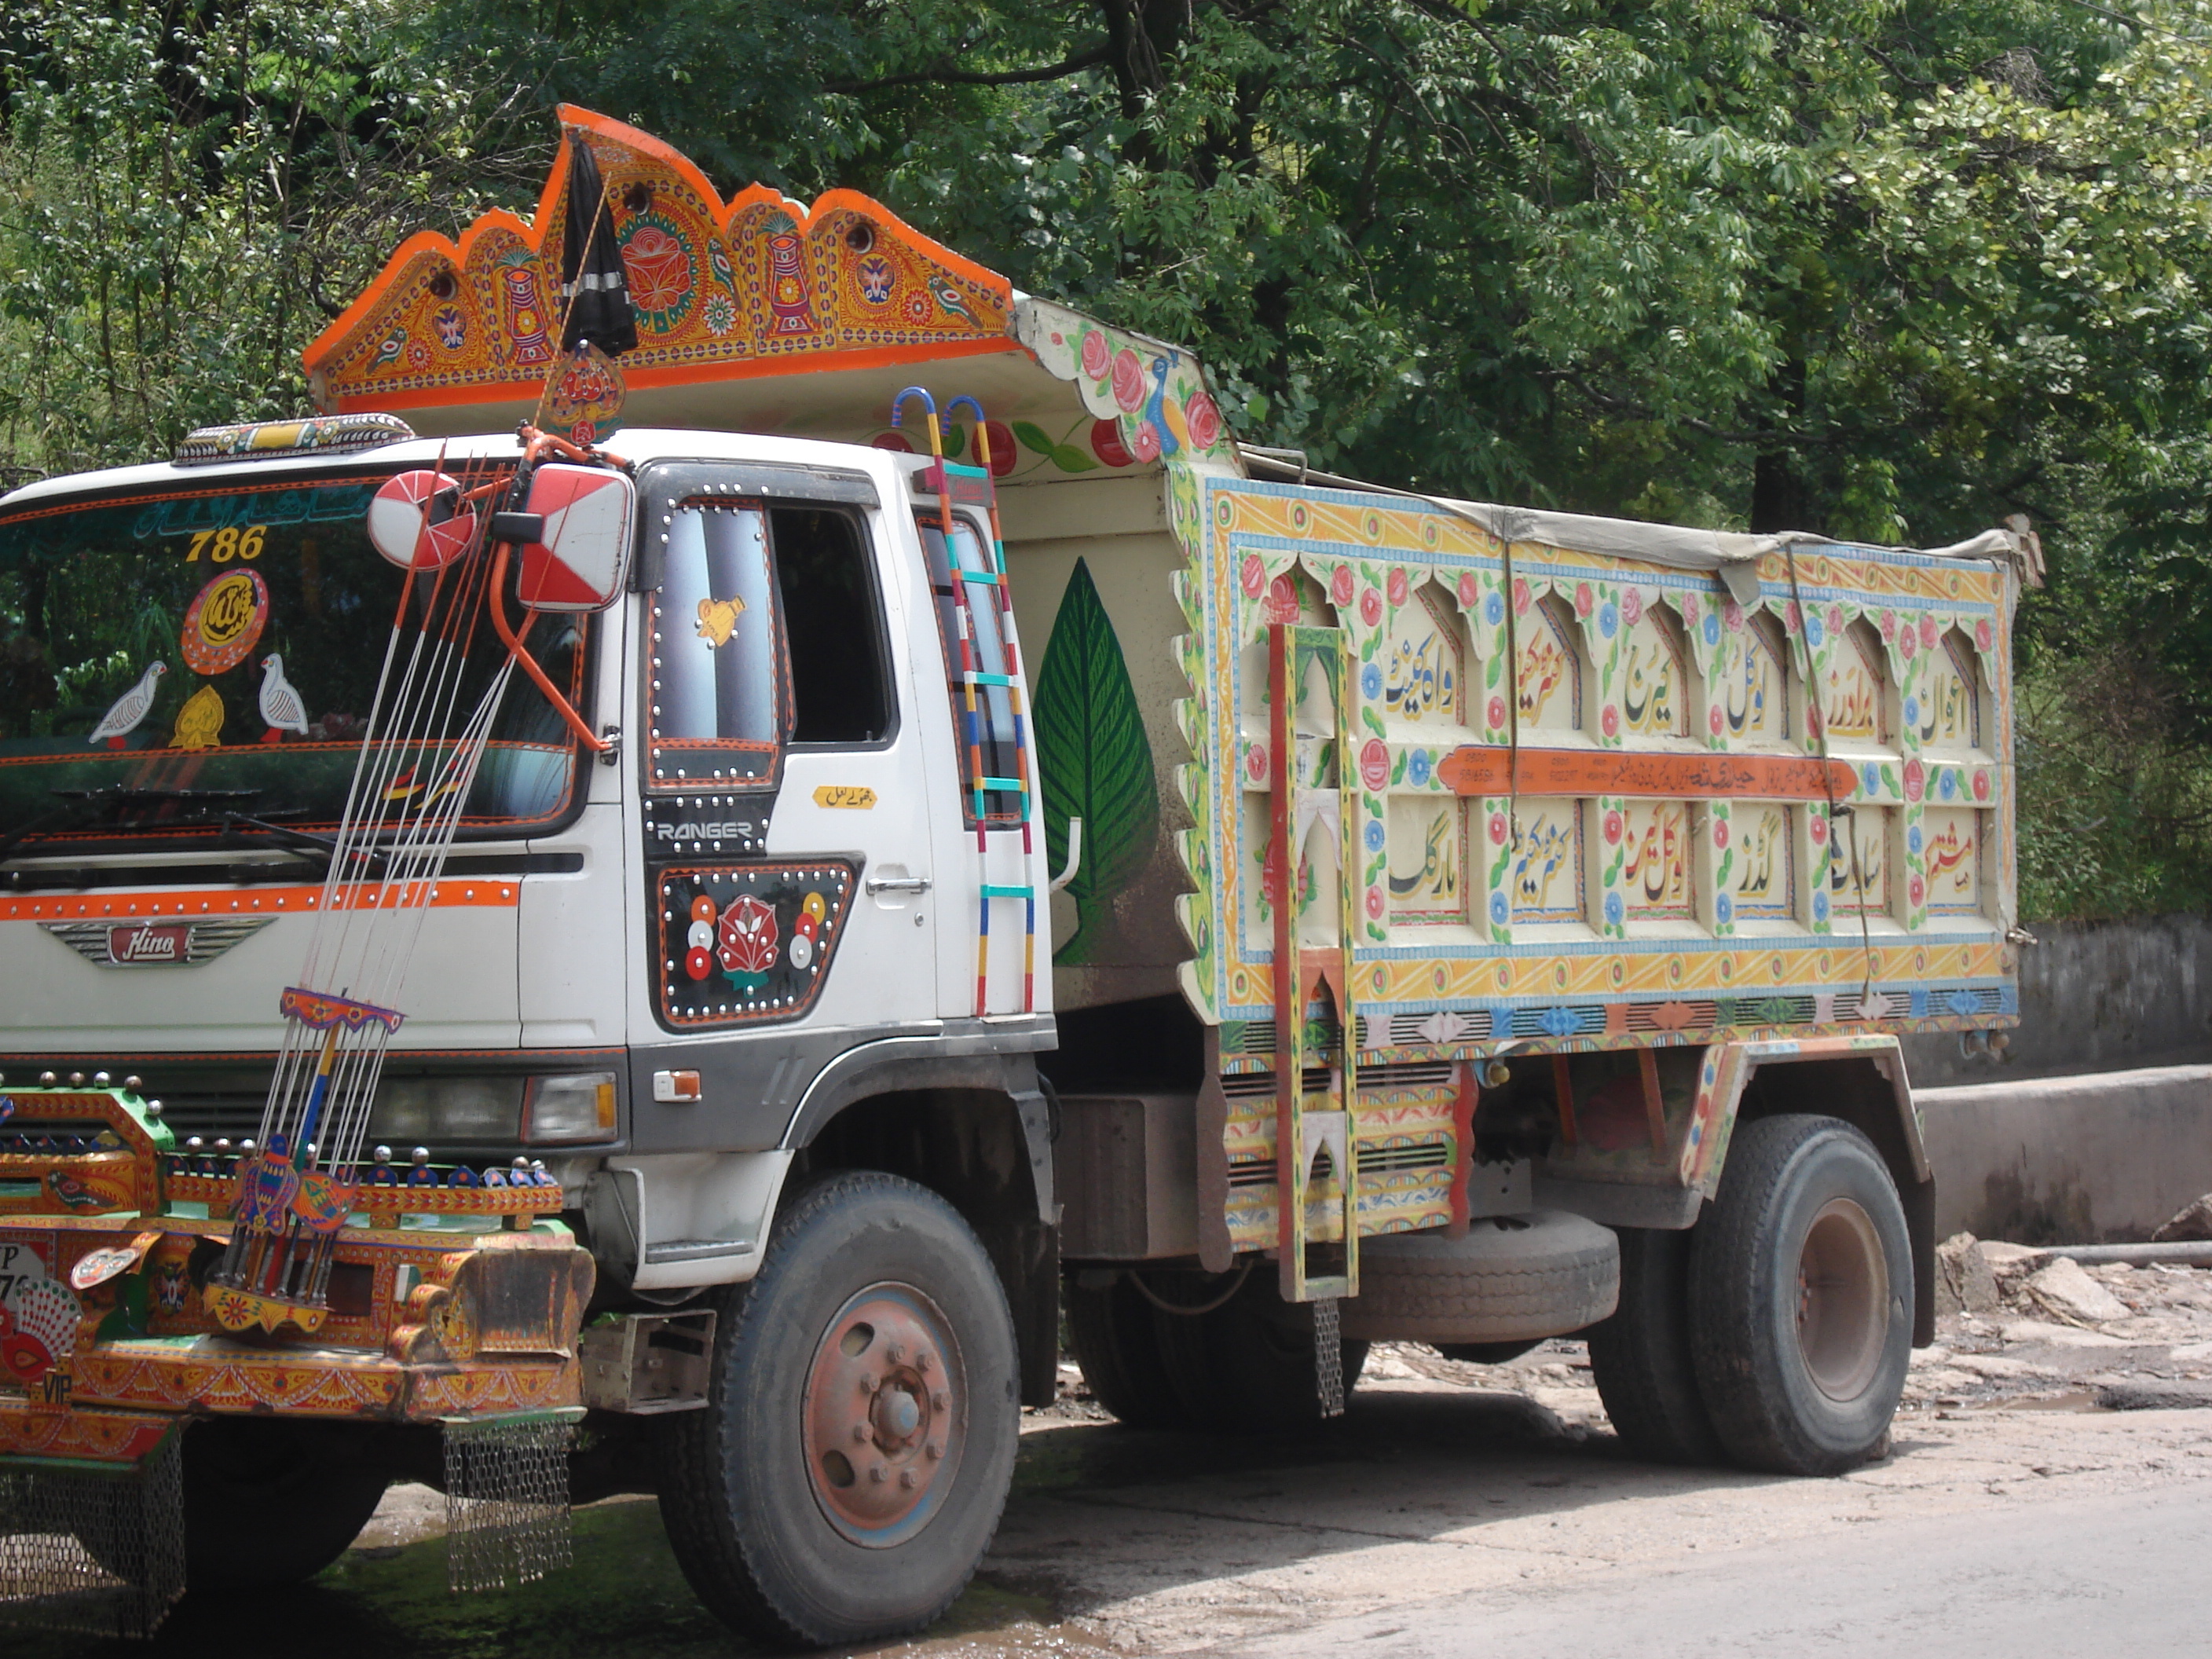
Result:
[[665, 952]]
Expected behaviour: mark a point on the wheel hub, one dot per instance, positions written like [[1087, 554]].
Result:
[[1843, 1300], [885, 1415]]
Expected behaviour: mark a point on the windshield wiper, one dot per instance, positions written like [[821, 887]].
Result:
[[80, 806], [302, 841]]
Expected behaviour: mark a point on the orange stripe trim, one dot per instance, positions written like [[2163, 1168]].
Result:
[[1488, 770], [190, 904]]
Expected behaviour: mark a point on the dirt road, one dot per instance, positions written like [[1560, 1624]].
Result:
[[1449, 1491]]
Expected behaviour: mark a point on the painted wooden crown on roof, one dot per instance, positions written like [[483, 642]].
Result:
[[722, 290]]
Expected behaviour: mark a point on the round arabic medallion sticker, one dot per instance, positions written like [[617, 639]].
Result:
[[225, 619]]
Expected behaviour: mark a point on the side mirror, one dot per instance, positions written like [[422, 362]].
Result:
[[580, 556]]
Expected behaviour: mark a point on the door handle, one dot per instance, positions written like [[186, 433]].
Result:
[[898, 884]]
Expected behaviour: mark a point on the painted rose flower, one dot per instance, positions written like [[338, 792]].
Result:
[[1520, 596], [1252, 576], [1129, 387], [1106, 441], [1916, 780], [1835, 619], [1816, 825], [1907, 643], [1145, 446], [1375, 764], [1731, 616], [1394, 585], [1375, 904], [1202, 419], [1255, 762], [1927, 633], [1467, 588], [1889, 624], [1689, 608], [1340, 585], [1720, 832], [1632, 605], [1497, 829], [1609, 721], [1714, 719], [1612, 828], [1282, 599], [1585, 601], [1981, 786], [1792, 619], [1914, 891], [1370, 606], [1095, 355], [1982, 636], [1496, 711]]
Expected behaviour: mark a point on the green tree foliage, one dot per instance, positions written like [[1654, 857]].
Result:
[[1889, 269]]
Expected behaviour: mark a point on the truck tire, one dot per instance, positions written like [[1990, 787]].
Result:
[[1640, 1356], [269, 1502], [1509, 1278], [1247, 1367], [1117, 1344], [1800, 1298], [848, 1470]]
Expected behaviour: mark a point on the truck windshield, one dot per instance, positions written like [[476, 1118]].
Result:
[[172, 655]]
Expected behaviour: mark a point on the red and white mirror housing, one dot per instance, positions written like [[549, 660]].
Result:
[[581, 560]]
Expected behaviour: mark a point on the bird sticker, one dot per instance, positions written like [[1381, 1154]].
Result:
[[199, 722], [281, 708], [718, 620], [130, 710]]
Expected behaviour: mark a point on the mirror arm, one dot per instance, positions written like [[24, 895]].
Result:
[[497, 599]]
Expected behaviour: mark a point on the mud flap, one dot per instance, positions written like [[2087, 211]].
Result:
[[507, 1498]]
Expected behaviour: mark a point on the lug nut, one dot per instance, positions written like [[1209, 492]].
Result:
[[895, 1353], [879, 1475], [860, 1434], [923, 1360], [908, 1480], [935, 1453]]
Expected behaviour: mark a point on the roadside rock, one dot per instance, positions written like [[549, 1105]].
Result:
[[1964, 1283], [2065, 1291], [2193, 1223], [2154, 1396], [2009, 1263]]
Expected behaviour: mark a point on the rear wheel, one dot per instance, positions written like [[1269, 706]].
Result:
[[1800, 1298], [854, 1453], [1113, 1332], [1640, 1356], [1246, 1367]]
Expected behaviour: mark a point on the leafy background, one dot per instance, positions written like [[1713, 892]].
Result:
[[1890, 269]]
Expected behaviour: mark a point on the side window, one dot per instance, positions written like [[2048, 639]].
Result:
[[833, 620], [719, 697], [975, 655]]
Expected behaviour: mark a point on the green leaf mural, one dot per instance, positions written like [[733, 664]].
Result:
[[1094, 759]]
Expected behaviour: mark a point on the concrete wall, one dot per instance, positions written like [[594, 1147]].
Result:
[[2099, 1158], [2095, 996]]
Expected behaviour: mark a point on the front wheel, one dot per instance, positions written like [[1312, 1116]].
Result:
[[848, 1470], [271, 1501], [1800, 1298]]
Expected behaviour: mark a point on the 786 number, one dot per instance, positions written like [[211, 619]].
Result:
[[229, 543]]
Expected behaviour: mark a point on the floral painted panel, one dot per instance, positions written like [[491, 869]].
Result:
[[1654, 690], [1547, 862], [1427, 880], [1752, 700], [1551, 670], [1853, 694], [1946, 715], [1952, 851], [1655, 875], [1761, 884]]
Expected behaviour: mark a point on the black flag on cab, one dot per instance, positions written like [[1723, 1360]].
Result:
[[594, 294]]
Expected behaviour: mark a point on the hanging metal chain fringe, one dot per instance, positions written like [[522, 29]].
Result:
[[91, 1549], [1328, 1356], [507, 1499]]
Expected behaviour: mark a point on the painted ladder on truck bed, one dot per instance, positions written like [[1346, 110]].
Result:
[[974, 486], [1308, 671]]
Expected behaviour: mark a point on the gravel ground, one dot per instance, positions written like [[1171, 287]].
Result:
[[1499, 1483]]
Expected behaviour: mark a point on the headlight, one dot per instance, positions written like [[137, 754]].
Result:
[[465, 1109], [562, 1109]]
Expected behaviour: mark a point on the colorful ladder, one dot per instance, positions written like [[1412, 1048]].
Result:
[[1308, 802], [973, 487]]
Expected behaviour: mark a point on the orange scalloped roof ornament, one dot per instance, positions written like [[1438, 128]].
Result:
[[723, 291]]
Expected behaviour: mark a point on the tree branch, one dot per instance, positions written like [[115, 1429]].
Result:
[[939, 75]]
